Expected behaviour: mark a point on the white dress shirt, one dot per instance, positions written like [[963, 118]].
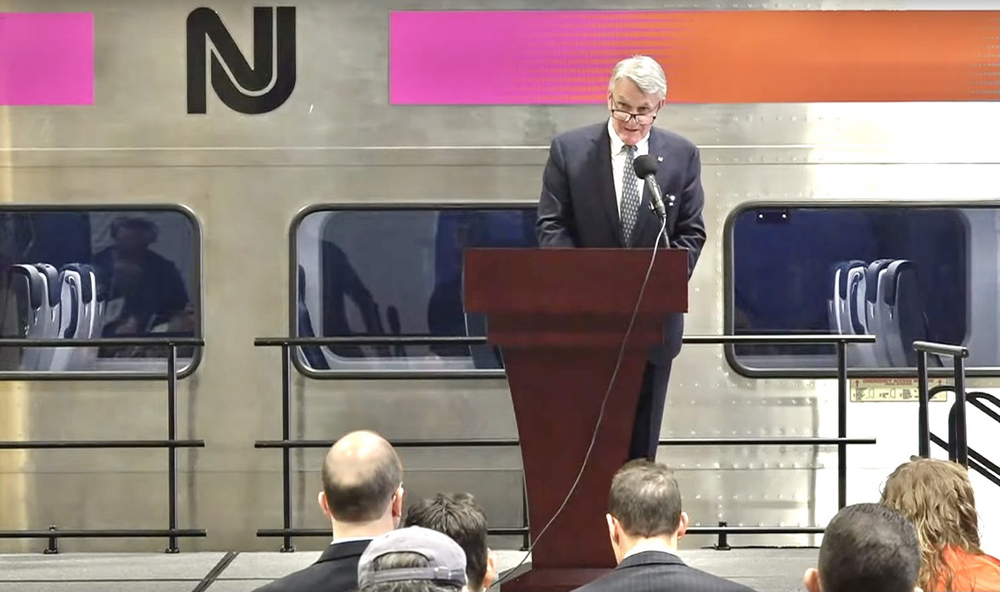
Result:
[[350, 539], [618, 156]]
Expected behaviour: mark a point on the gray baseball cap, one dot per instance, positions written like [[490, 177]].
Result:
[[446, 558]]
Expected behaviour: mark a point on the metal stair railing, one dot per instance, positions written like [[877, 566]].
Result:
[[977, 461], [958, 353], [171, 533], [957, 444], [286, 444]]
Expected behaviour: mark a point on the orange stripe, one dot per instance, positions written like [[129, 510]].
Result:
[[834, 56]]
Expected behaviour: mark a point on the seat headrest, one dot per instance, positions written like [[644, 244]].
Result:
[[844, 268], [86, 283], [871, 278], [33, 280], [52, 279], [894, 271]]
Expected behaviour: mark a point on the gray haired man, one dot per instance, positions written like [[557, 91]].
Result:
[[592, 198]]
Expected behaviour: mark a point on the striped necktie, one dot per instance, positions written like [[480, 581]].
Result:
[[630, 196]]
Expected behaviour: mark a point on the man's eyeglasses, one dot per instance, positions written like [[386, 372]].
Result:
[[640, 118]]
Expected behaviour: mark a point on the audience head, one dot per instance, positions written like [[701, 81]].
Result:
[[644, 506], [867, 547], [362, 485], [936, 496], [412, 559], [460, 517]]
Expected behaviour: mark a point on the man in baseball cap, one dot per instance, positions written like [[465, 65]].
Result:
[[412, 555]]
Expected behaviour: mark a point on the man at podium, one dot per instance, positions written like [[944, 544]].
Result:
[[592, 198]]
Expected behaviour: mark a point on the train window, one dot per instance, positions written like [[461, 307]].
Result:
[[95, 273], [395, 271], [901, 273]]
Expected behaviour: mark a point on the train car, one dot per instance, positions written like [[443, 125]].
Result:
[[228, 172]]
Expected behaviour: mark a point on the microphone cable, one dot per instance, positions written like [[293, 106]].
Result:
[[600, 416]]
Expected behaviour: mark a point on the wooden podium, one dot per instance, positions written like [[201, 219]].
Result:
[[559, 317]]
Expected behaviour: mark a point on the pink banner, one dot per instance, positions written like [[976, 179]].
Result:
[[538, 57], [494, 57], [46, 58]]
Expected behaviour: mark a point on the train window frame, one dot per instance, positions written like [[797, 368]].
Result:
[[297, 354], [729, 290], [186, 366]]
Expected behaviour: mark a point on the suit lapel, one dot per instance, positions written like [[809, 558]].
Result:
[[606, 183], [648, 222]]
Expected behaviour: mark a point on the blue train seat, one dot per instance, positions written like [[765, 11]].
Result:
[[884, 299], [93, 308], [845, 280], [851, 319], [100, 303], [28, 290], [856, 287], [872, 354], [902, 313], [73, 323], [52, 311]]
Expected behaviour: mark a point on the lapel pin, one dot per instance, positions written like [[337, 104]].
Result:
[[659, 159]]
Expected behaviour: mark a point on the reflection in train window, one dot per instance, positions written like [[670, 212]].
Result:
[[86, 274], [374, 272], [901, 273]]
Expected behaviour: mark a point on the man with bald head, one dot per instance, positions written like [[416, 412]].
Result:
[[363, 498]]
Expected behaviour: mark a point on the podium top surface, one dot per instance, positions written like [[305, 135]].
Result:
[[574, 281]]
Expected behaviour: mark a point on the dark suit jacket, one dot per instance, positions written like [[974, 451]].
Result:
[[653, 571], [336, 570], [579, 208]]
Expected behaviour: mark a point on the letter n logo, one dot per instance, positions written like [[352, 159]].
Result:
[[260, 88]]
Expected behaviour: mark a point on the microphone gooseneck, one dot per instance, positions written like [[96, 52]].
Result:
[[645, 169]]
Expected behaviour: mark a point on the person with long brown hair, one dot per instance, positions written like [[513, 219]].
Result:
[[937, 497]]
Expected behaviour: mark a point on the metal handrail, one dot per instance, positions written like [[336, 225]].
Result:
[[510, 442], [98, 444], [941, 349], [959, 353], [957, 434], [816, 339], [369, 340], [54, 532], [722, 529], [171, 443], [286, 444], [108, 341]]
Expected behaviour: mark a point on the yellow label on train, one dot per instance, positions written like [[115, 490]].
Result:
[[893, 389]]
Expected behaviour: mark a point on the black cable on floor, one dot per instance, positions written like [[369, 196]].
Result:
[[215, 572]]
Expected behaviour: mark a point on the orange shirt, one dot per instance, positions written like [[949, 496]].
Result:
[[973, 573]]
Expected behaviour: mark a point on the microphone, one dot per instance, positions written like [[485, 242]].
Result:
[[645, 169]]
